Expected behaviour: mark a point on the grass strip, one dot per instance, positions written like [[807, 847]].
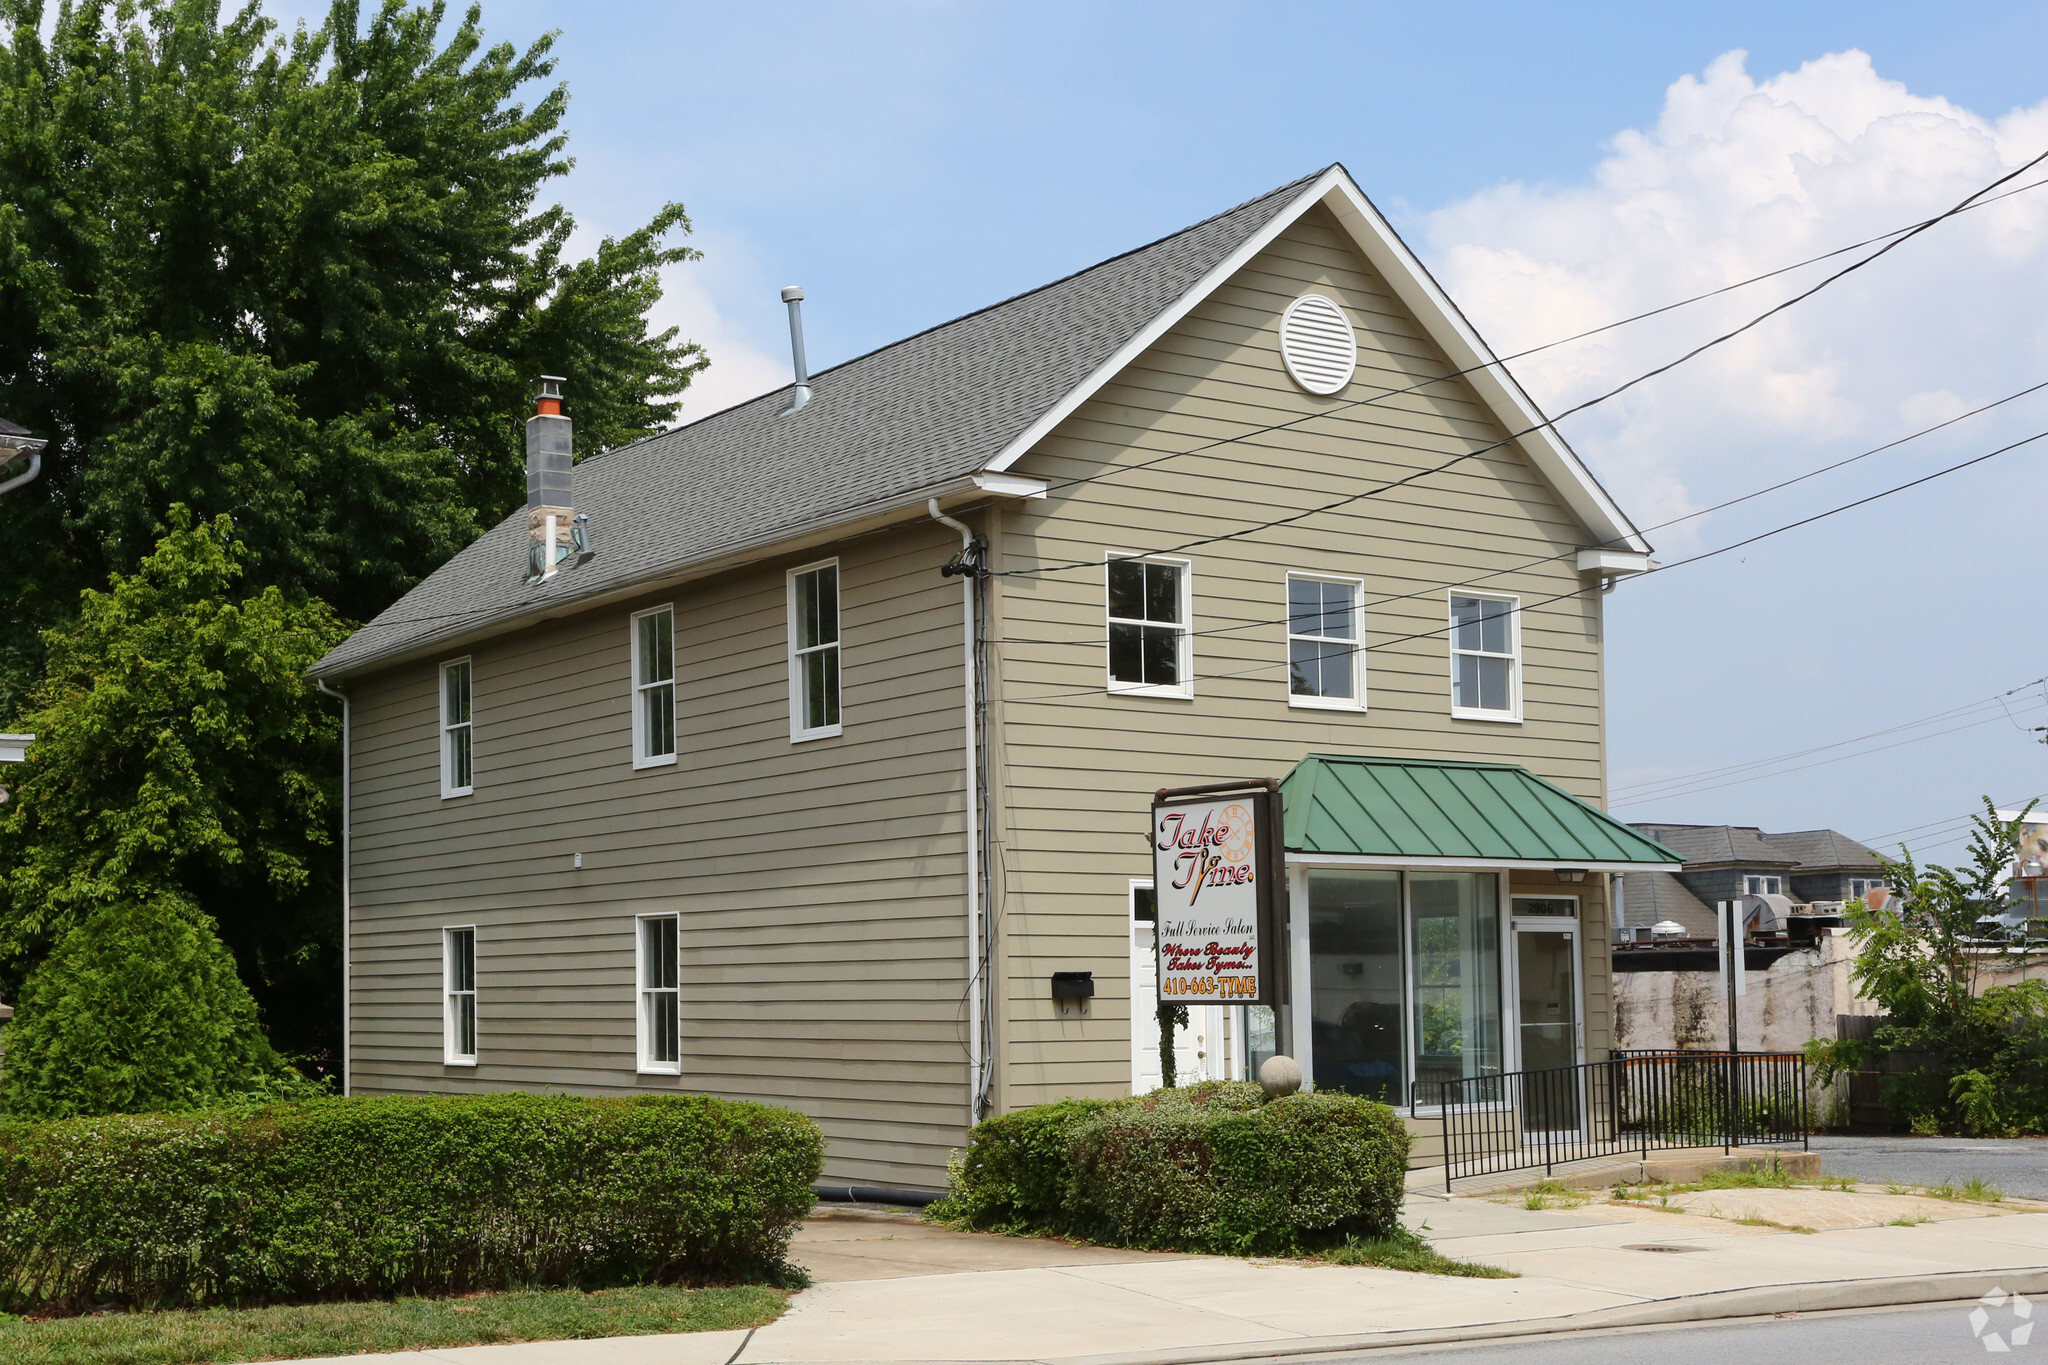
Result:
[[286, 1332], [1402, 1249]]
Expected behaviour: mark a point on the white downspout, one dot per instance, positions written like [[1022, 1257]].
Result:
[[35, 467], [975, 1061], [347, 1061]]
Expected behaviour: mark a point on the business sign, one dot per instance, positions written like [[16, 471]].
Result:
[[1219, 882]]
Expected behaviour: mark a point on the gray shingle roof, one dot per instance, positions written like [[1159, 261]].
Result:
[[918, 413], [1824, 850], [1648, 897], [1706, 845]]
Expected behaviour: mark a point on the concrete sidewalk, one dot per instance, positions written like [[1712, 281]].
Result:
[[892, 1289]]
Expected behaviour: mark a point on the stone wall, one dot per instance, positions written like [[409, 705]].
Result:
[[1783, 1007]]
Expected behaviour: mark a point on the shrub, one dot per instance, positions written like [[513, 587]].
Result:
[[1209, 1168], [350, 1198], [139, 1009]]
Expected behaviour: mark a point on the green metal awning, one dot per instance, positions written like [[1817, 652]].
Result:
[[1404, 811]]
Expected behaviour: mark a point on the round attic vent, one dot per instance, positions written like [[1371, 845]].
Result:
[[1317, 344]]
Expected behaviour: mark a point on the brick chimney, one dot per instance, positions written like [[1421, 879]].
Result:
[[550, 513]]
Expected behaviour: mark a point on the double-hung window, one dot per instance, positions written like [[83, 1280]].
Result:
[[457, 755], [1149, 642], [1762, 886], [814, 651], [458, 996], [654, 687], [660, 974], [1325, 644], [1486, 672]]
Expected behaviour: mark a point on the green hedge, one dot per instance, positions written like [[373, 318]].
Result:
[[348, 1198], [1209, 1168]]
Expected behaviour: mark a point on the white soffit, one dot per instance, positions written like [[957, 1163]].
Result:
[[1440, 318]]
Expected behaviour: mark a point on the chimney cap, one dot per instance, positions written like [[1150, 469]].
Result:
[[549, 386], [792, 293]]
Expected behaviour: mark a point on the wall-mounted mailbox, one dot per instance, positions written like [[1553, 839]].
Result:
[[1075, 986]]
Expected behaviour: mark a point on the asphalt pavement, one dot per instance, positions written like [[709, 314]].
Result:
[[2017, 1166], [1885, 1336]]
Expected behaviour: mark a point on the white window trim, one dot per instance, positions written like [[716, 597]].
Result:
[[798, 733], [641, 990], [640, 756], [1356, 701], [1184, 690], [443, 743], [1766, 878], [1513, 715], [449, 1056]]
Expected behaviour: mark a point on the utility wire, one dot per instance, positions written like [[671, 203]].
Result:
[[1545, 346], [1578, 591], [1574, 551], [1550, 422], [1633, 801], [1705, 774]]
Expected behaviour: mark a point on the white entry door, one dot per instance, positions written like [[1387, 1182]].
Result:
[[1199, 1047]]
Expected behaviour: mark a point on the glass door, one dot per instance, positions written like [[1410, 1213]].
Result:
[[1546, 988]]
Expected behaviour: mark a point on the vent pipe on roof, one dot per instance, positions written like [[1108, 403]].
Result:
[[794, 297], [550, 515]]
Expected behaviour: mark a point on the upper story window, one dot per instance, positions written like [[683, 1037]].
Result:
[[654, 687], [814, 651], [458, 1000], [660, 973], [1763, 886], [1859, 887], [1149, 644], [457, 750], [1325, 653], [1486, 664]]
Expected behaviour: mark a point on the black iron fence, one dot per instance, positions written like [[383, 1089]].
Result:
[[1641, 1101]]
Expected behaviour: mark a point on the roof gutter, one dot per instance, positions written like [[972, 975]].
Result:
[[900, 507]]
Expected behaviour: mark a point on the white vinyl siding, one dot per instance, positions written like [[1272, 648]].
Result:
[[1150, 603], [660, 978], [1486, 657], [814, 651], [458, 980], [458, 748], [1325, 642], [654, 688]]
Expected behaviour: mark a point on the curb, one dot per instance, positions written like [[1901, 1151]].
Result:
[[1819, 1296]]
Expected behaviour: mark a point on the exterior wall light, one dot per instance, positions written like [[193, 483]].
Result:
[[1571, 876]]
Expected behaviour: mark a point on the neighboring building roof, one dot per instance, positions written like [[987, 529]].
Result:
[[1716, 845], [1650, 897], [1824, 850], [1473, 812], [8, 428], [940, 412]]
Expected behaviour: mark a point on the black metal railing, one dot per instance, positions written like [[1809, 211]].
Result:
[[1636, 1101]]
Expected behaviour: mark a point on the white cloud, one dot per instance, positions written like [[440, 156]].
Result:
[[1739, 176]]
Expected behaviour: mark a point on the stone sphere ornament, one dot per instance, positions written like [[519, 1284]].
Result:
[[1279, 1075]]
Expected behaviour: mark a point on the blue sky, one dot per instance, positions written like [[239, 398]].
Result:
[[1557, 166]]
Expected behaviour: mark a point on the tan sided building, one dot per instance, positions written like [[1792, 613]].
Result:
[[703, 775]]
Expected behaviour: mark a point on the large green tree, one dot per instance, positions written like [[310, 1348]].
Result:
[[302, 281]]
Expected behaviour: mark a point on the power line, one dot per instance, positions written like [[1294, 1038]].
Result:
[[1632, 802], [1570, 553], [1379, 398], [1705, 774], [1578, 591], [1551, 422]]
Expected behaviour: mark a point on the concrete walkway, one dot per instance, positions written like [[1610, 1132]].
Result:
[[889, 1288]]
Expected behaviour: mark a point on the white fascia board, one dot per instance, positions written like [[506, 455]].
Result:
[[1614, 562], [14, 748], [1477, 864], [1416, 288], [1010, 485]]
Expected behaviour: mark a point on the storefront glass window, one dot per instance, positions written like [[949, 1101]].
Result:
[[1454, 935], [1355, 975]]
